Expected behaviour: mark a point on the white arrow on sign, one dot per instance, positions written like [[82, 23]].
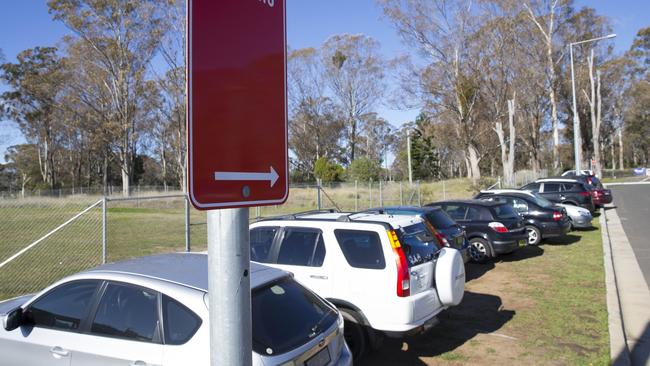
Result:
[[271, 176]]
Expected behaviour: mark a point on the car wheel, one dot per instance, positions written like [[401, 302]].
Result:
[[478, 250], [534, 235], [571, 227], [354, 334]]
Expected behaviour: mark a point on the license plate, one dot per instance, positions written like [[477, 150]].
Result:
[[319, 359], [522, 242]]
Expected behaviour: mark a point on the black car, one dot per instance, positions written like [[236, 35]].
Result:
[[542, 218], [492, 228], [563, 190], [448, 232]]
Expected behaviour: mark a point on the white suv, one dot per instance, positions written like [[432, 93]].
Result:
[[387, 274]]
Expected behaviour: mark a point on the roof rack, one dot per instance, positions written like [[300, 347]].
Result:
[[297, 215]]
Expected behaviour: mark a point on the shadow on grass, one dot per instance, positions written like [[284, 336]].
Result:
[[477, 270], [477, 314], [586, 229], [563, 240]]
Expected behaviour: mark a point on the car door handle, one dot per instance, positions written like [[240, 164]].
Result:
[[138, 363], [319, 277], [59, 352]]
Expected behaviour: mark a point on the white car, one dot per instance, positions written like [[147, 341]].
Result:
[[387, 274], [154, 311]]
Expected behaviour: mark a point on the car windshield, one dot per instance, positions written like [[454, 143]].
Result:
[[440, 220], [274, 332], [419, 244], [505, 212]]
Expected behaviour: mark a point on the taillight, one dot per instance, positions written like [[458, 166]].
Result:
[[498, 227], [403, 279], [585, 194], [597, 193], [557, 216], [441, 238]]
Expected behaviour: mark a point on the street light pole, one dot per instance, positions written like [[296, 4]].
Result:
[[408, 146], [576, 118]]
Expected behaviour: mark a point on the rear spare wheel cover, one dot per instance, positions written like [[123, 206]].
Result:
[[450, 277]]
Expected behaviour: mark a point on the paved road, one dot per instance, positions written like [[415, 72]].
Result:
[[633, 208]]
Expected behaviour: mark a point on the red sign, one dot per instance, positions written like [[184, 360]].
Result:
[[237, 107]]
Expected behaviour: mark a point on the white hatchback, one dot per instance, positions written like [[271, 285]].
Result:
[[387, 274]]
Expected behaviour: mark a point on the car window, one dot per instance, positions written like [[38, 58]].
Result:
[[475, 213], [518, 204], [542, 202], [440, 220], [286, 315], [299, 246], [456, 212], [505, 212], [261, 242], [551, 187], [64, 307], [532, 187], [362, 249], [127, 312], [180, 323], [419, 244]]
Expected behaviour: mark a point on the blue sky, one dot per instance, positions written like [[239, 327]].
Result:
[[26, 24]]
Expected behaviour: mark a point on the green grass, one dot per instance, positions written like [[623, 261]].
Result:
[[567, 286]]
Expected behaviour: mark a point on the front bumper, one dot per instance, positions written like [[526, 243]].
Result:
[[582, 222]]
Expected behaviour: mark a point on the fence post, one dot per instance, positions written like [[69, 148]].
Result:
[[499, 182], [401, 195], [187, 224], [370, 193], [356, 195], [381, 196], [318, 188], [444, 191], [258, 212], [104, 230], [419, 195]]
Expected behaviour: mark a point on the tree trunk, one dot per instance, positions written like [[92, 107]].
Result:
[[620, 148], [473, 158], [613, 155]]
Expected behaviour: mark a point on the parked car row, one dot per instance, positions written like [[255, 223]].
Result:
[[348, 279]]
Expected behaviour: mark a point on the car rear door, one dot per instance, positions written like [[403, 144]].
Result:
[[302, 251], [551, 191]]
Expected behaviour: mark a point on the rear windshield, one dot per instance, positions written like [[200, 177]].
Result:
[[273, 331], [440, 220], [541, 201], [505, 212], [420, 246]]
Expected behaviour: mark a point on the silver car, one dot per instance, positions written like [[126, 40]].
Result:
[[153, 311]]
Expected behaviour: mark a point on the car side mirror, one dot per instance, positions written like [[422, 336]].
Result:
[[12, 319]]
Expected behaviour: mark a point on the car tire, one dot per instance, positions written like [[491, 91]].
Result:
[[571, 227], [534, 235], [479, 250], [354, 333]]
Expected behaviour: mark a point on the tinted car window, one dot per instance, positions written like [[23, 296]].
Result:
[[456, 212], [519, 205], [551, 187], [299, 246], [532, 187], [362, 249], [64, 307], [419, 244], [572, 187], [261, 242], [440, 220], [478, 214], [273, 331], [127, 312], [505, 212], [180, 323]]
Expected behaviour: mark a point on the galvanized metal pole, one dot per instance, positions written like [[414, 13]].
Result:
[[104, 230], [187, 224], [408, 151], [229, 287], [370, 193], [318, 188], [356, 195], [444, 192], [381, 196], [401, 195], [419, 194], [576, 119]]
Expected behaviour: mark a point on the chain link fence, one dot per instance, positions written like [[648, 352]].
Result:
[[44, 238]]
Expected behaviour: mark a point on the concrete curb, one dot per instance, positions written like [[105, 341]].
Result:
[[630, 291], [619, 353]]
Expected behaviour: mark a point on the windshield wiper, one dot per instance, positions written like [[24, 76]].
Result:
[[315, 329]]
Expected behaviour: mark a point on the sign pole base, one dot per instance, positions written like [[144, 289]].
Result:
[[229, 287]]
